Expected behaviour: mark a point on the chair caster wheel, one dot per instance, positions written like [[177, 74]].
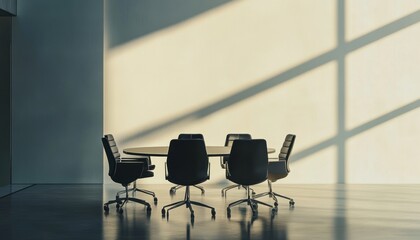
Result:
[[276, 204], [120, 210], [106, 208], [149, 209], [155, 200], [163, 212], [228, 212], [291, 203], [213, 212], [172, 192]]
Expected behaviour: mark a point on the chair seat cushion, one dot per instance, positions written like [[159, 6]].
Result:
[[277, 170], [128, 171], [187, 181]]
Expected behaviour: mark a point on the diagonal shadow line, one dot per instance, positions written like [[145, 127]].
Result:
[[300, 69], [383, 31], [357, 130]]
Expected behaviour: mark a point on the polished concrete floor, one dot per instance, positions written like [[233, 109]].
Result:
[[321, 212]]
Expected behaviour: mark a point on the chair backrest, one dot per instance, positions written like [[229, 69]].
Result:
[[232, 137], [187, 162], [111, 150], [248, 162], [287, 147], [191, 136]]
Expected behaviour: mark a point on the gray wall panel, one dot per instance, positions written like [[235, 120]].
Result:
[[5, 40], [57, 94], [7, 7]]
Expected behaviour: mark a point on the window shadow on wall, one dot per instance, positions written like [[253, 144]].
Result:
[[243, 94], [337, 55]]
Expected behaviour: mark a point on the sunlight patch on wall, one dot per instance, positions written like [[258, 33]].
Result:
[[365, 16], [320, 167], [211, 56], [292, 107], [383, 76], [180, 70], [386, 154]]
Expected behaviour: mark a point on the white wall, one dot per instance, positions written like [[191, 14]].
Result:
[[57, 81], [342, 76]]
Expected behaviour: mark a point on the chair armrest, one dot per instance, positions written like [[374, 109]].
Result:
[[208, 171], [142, 160], [166, 171], [227, 169], [145, 159]]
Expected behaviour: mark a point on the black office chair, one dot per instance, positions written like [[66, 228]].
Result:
[[280, 169], [247, 166], [184, 136], [187, 165], [126, 171], [148, 165], [228, 142]]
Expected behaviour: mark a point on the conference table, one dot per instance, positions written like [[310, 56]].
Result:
[[162, 151]]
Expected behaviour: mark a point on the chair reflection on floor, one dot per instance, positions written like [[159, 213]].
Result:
[[125, 226], [261, 227]]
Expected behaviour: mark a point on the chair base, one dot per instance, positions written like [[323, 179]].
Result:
[[173, 189], [120, 202], [134, 189], [188, 204], [251, 202], [274, 196], [224, 190]]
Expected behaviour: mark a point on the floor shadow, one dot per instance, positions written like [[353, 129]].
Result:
[[10, 189], [150, 16]]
